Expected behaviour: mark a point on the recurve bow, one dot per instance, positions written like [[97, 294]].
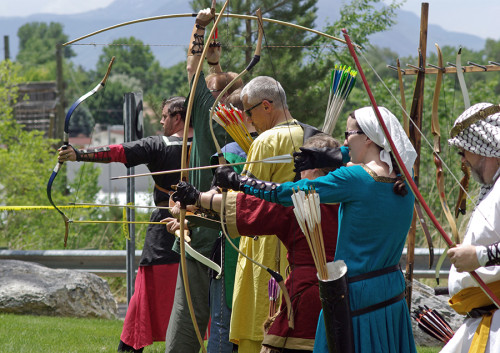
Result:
[[65, 145], [418, 209], [415, 138], [461, 206], [184, 153], [436, 132]]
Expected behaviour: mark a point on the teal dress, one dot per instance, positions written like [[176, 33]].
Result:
[[373, 224]]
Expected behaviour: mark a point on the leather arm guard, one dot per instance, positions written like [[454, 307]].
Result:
[[96, 155], [198, 36], [265, 190], [493, 252]]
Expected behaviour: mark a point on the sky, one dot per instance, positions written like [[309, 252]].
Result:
[[477, 17]]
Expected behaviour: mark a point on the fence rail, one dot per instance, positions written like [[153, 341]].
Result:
[[112, 262]]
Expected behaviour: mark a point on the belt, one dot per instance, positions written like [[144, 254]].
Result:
[[373, 274], [378, 305], [484, 310]]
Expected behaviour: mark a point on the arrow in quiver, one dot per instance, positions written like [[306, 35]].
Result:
[[432, 323]]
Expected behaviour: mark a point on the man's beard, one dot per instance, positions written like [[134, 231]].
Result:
[[476, 176], [477, 171]]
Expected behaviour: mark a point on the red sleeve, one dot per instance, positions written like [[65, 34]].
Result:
[[258, 217], [117, 154]]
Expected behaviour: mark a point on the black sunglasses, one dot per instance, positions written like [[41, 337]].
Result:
[[249, 110], [354, 132]]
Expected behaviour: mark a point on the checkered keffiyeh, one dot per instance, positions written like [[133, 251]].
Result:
[[482, 137]]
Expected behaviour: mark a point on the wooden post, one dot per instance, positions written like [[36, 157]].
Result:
[[58, 130], [415, 138], [6, 47]]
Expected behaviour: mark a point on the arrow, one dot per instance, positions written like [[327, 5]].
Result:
[[285, 158]]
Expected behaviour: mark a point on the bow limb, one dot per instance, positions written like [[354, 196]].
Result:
[[461, 205], [406, 122], [408, 176], [418, 209], [415, 138], [182, 215], [464, 182], [65, 145], [255, 60], [242, 17], [435, 128], [461, 79], [436, 132]]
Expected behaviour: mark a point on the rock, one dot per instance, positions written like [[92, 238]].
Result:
[[29, 288], [424, 295]]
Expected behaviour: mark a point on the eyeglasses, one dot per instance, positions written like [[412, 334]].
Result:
[[461, 153], [249, 110], [354, 132]]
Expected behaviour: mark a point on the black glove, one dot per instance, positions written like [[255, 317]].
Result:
[[186, 194], [310, 158], [226, 178]]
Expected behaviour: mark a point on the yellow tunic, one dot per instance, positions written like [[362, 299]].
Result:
[[250, 298]]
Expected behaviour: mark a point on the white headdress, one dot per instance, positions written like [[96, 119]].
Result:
[[367, 121]]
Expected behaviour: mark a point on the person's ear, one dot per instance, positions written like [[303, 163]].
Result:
[[267, 105]]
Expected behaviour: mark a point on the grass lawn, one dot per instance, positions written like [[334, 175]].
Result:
[[23, 334]]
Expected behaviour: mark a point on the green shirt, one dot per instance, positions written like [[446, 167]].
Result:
[[202, 148]]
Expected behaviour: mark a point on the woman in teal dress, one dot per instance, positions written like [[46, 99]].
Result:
[[374, 218]]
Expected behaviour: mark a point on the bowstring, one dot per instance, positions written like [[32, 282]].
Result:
[[426, 140]]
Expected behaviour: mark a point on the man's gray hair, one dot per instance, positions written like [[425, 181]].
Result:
[[265, 88]]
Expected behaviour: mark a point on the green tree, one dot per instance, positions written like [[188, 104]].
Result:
[[37, 48], [133, 58], [135, 70]]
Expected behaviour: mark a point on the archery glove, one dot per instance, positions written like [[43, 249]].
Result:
[[226, 178], [311, 158], [186, 194]]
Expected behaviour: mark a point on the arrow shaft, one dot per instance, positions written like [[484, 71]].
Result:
[[267, 160]]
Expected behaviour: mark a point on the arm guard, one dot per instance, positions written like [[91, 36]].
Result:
[[493, 252], [97, 155], [265, 190], [196, 45]]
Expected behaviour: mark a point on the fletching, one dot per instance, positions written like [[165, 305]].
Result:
[[231, 119], [342, 81]]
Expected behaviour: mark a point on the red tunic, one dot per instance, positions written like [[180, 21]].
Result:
[[257, 217]]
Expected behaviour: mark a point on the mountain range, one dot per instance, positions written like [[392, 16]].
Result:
[[168, 38]]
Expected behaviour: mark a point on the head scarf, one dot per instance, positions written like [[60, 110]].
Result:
[[482, 137], [367, 121]]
